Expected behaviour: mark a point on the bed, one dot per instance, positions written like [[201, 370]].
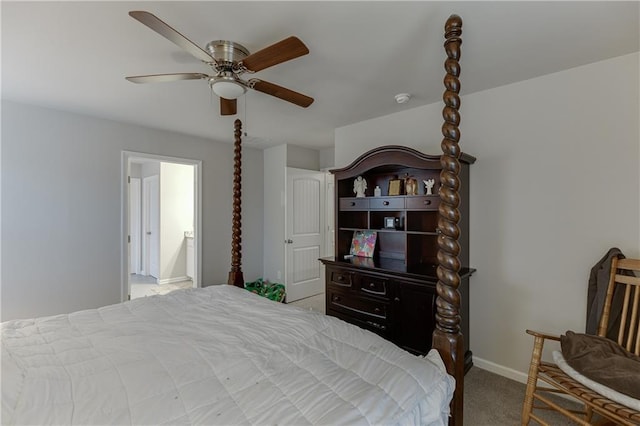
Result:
[[222, 355], [196, 357]]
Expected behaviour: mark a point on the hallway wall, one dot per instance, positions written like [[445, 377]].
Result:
[[61, 207]]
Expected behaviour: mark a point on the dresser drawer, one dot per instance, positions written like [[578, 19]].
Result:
[[341, 278], [374, 285], [354, 203], [426, 202], [356, 305], [378, 326], [391, 203]]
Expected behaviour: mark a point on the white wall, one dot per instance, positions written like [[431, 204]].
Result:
[[176, 217], [274, 185], [61, 213], [303, 158], [327, 159], [555, 186]]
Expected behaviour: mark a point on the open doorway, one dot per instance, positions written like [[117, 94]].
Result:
[[161, 217]]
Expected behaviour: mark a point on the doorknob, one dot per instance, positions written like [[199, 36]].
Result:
[[148, 232], [288, 241]]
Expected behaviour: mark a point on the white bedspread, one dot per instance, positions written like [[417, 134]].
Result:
[[218, 355]]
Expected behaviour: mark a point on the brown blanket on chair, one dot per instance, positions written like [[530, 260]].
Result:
[[603, 361]]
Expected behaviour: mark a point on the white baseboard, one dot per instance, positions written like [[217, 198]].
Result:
[[507, 372], [173, 280]]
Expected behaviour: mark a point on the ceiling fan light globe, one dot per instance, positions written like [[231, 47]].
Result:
[[228, 89]]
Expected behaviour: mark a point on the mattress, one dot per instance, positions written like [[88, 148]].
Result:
[[216, 355]]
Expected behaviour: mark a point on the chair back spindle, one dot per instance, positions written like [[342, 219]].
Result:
[[625, 274]]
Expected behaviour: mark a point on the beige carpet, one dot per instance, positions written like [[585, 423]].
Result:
[[493, 400], [313, 303]]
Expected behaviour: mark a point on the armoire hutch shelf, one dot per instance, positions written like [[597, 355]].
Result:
[[393, 293]]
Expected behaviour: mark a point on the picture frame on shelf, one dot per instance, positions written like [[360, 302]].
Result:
[[395, 187], [363, 243], [390, 222]]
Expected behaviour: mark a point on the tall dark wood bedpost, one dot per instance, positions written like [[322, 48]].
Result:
[[235, 275], [447, 337]]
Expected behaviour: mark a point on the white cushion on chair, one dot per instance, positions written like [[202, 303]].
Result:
[[605, 391]]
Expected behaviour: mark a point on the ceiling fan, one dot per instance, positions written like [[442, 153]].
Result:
[[228, 60]]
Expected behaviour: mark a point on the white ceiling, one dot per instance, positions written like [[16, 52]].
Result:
[[74, 56]]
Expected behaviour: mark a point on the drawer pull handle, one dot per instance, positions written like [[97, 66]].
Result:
[[376, 325], [385, 203], [353, 203], [339, 278], [397, 299], [427, 202], [376, 310], [372, 285], [336, 298]]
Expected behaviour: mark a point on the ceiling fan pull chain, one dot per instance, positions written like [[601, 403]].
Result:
[[245, 115]]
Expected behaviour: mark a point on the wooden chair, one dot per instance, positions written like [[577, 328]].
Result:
[[561, 383]]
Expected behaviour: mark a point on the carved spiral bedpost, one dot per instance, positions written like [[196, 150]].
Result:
[[447, 337], [235, 275]]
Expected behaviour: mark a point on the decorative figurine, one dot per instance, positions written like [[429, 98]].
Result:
[[359, 186], [428, 185], [410, 186]]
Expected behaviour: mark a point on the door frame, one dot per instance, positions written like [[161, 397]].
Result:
[[135, 208], [126, 158]]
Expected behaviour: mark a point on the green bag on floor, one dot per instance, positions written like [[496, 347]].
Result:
[[273, 291]]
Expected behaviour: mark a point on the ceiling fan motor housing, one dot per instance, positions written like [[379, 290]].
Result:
[[227, 52]]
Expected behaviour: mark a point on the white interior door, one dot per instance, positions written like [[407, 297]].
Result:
[[305, 230], [135, 222], [151, 216]]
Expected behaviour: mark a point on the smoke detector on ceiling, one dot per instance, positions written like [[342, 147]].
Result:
[[402, 98]]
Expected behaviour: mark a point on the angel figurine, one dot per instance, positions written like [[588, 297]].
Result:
[[428, 184], [359, 186], [410, 186]]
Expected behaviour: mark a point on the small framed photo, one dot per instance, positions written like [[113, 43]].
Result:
[[395, 187], [390, 223]]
